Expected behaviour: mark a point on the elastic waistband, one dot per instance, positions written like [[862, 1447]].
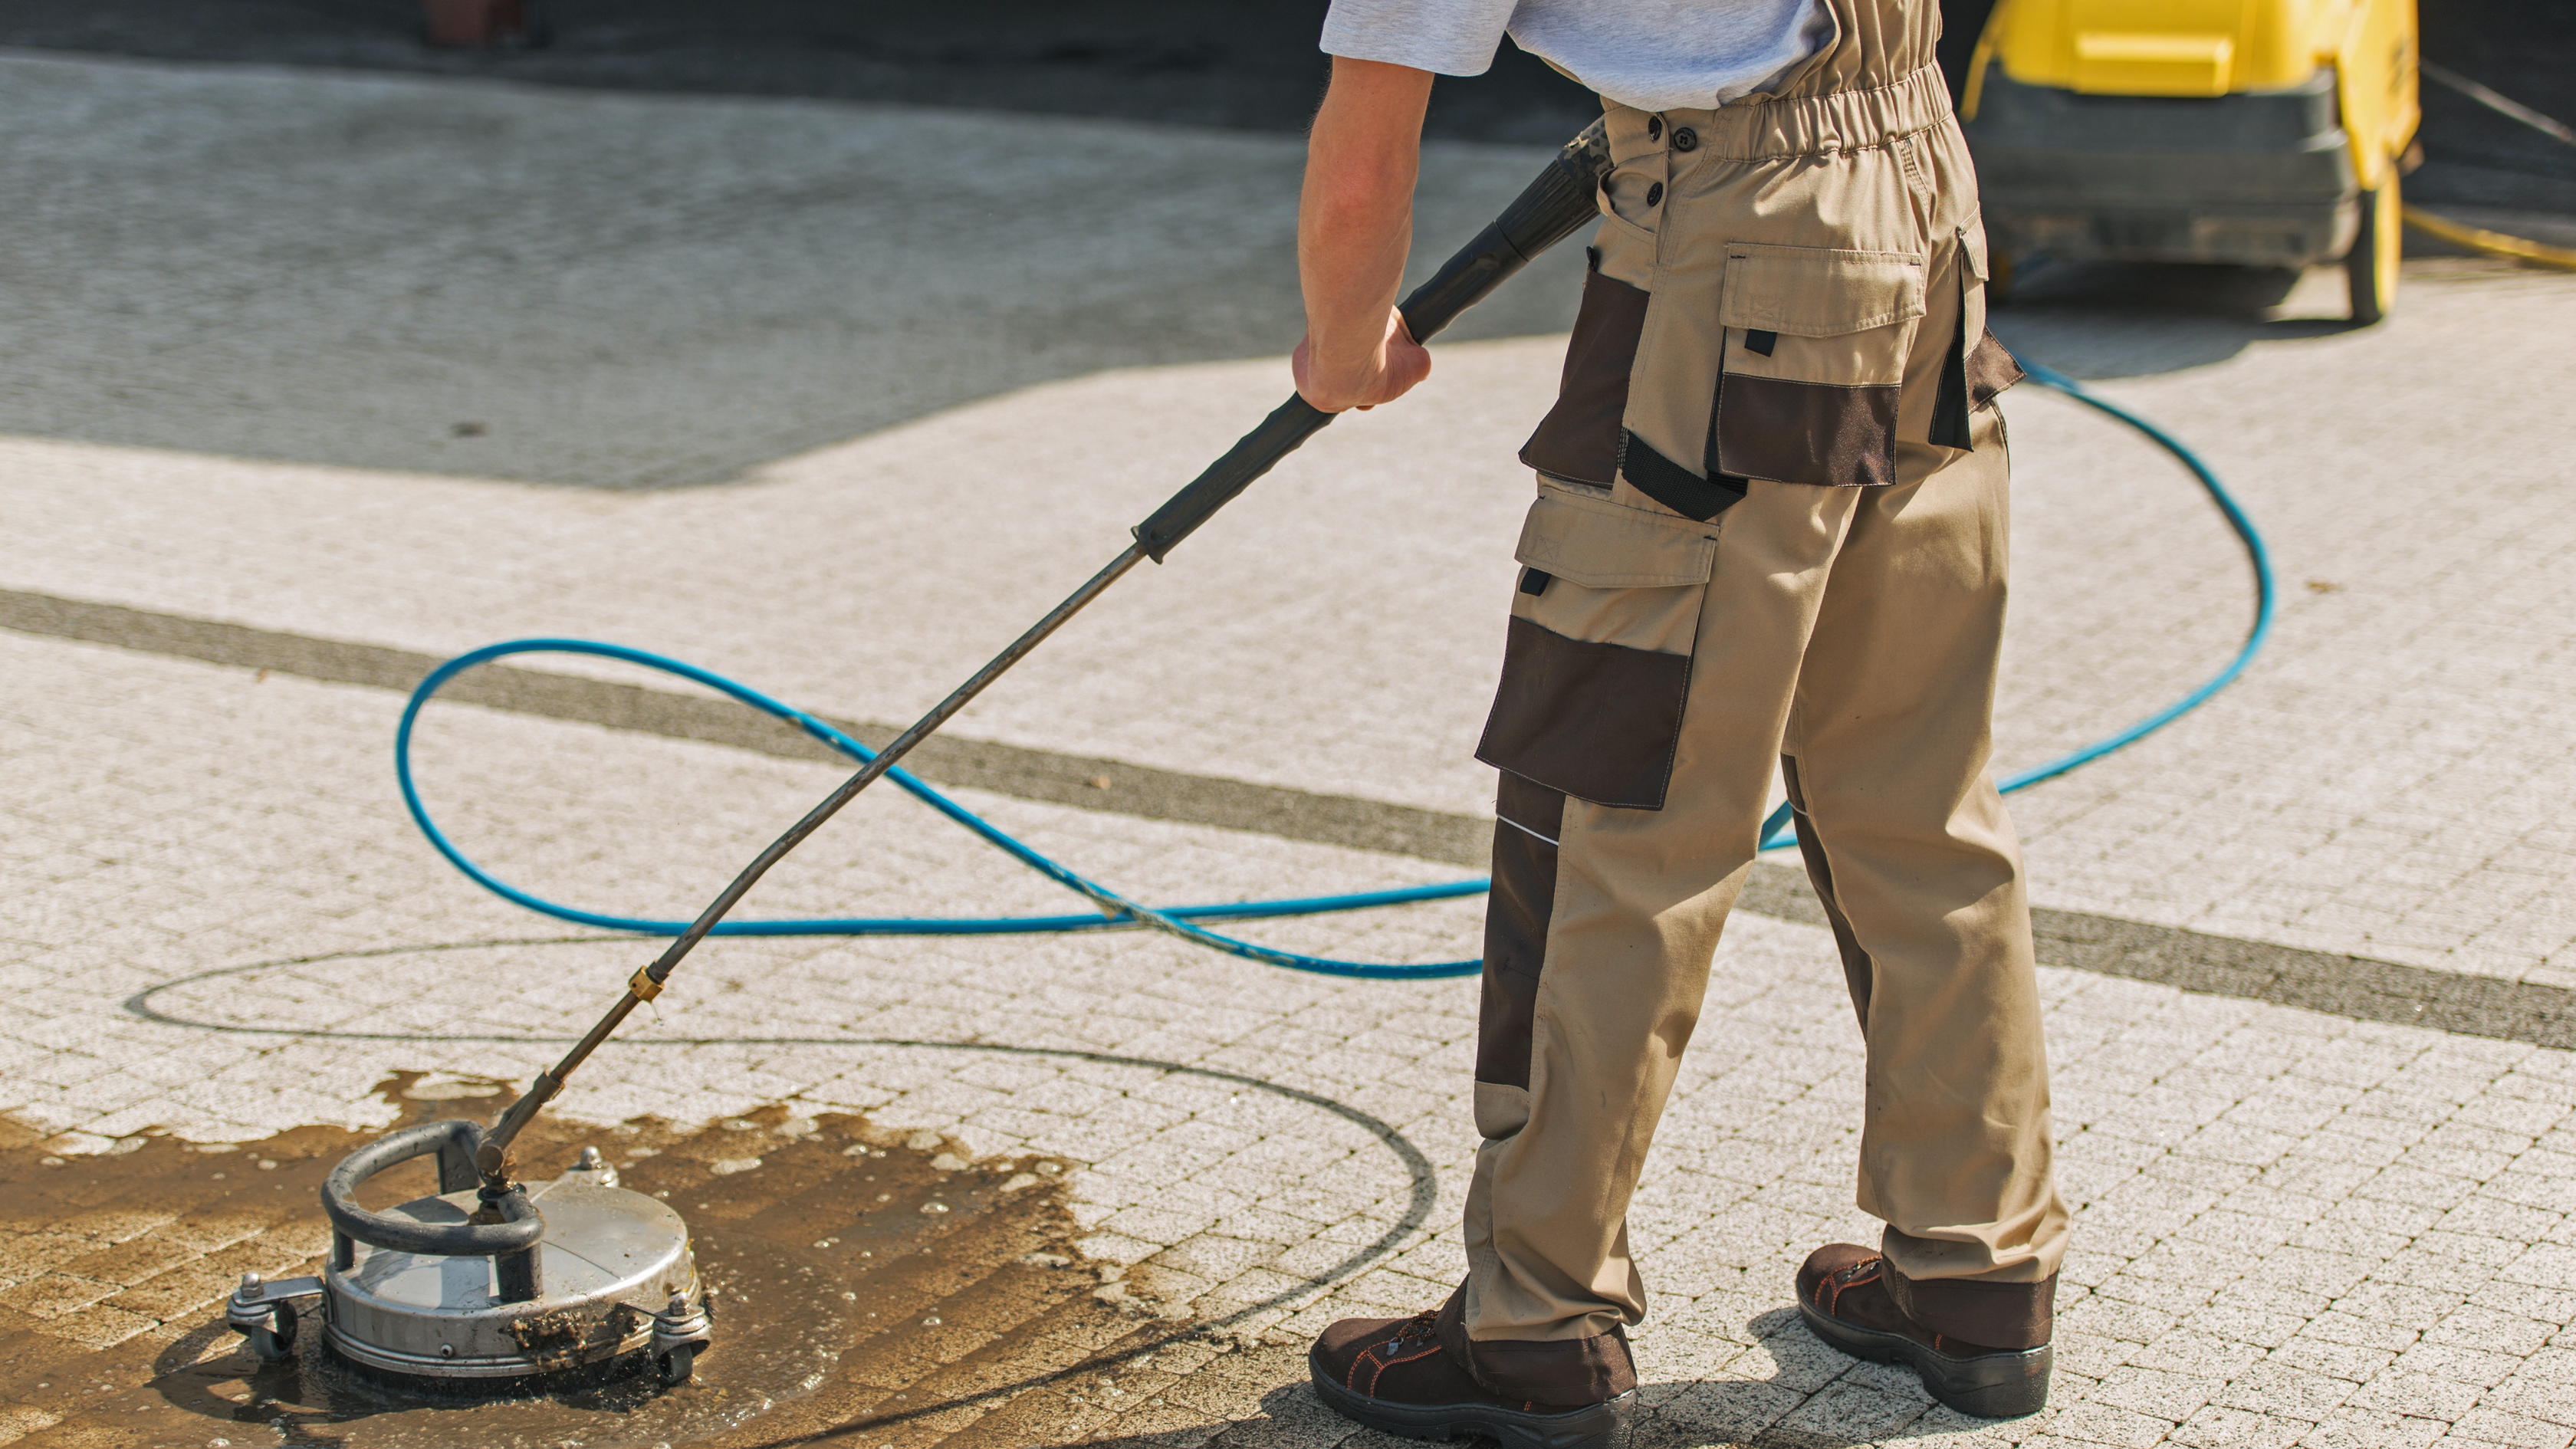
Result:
[[1807, 125]]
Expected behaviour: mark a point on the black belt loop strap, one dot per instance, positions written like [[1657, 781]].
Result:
[[1674, 486]]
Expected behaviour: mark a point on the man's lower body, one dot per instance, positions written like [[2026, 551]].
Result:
[[1680, 632], [1858, 629]]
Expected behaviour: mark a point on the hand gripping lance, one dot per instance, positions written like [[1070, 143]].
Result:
[[1546, 212]]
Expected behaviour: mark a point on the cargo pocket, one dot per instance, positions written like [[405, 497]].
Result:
[[1597, 664], [1815, 347], [1578, 440], [1976, 369], [1990, 365]]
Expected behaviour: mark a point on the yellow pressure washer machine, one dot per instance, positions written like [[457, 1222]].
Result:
[[2265, 133]]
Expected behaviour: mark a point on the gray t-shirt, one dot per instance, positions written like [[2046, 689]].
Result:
[[1655, 55]]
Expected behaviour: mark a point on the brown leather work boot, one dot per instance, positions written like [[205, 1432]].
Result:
[[1398, 1375], [1849, 1298]]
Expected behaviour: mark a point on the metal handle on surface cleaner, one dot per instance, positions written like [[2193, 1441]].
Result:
[[1546, 212], [515, 1224]]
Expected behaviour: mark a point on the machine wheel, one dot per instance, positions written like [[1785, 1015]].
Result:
[[676, 1367], [274, 1342], [2370, 268]]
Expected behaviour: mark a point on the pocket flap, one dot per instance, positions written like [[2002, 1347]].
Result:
[[1818, 291], [1603, 545], [1972, 249]]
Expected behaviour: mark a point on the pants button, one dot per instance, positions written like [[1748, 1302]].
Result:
[[1685, 139], [1654, 128], [1654, 193]]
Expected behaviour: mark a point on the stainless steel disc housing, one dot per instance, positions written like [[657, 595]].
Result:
[[484, 1287]]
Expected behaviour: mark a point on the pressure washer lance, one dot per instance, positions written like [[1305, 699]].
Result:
[[1547, 211]]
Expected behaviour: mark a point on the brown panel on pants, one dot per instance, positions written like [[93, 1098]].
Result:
[[1527, 818], [1852, 629]]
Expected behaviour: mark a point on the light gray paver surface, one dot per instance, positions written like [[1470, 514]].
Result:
[[2295, 1228]]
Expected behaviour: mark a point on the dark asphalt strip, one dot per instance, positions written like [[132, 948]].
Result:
[[2349, 986], [943, 759]]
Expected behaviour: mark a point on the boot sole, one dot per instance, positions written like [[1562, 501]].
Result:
[[1607, 1425], [1988, 1386]]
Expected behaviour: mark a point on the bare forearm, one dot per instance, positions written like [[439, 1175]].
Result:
[[1354, 227], [1355, 217]]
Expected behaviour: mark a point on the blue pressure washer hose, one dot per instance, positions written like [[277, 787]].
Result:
[[1776, 832], [921, 789], [1179, 919]]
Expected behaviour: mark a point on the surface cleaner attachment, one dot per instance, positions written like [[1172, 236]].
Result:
[[487, 1287]]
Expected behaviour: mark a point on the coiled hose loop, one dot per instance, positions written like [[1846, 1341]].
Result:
[[1117, 912]]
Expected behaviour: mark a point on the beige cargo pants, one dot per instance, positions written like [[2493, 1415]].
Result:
[[1770, 529]]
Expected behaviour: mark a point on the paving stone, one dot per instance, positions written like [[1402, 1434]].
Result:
[[2544, 1388], [2362, 1326], [2460, 1363], [2353, 1428], [2221, 1428], [2157, 1393], [2196, 1351], [2485, 1328], [2276, 1386], [2422, 1395], [98, 1325], [51, 1295], [1842, 1412], [2489, 1426], [2350, 1362]]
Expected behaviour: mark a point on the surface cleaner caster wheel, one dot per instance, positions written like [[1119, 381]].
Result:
[[274, 1341], [681, 1331]]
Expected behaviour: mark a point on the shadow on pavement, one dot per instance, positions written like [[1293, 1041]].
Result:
[[709, 248], [697, 241], [2132, 319], [1864, 1408]]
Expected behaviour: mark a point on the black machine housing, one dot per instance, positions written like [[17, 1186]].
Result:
[[2255, 178]]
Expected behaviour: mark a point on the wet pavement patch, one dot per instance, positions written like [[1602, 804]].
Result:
[[871, 1286]]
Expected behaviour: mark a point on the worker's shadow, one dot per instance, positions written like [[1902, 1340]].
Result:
[[2134, 319], [1797, 1395]]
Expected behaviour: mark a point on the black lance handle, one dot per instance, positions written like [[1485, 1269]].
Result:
[[1547, 211]]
